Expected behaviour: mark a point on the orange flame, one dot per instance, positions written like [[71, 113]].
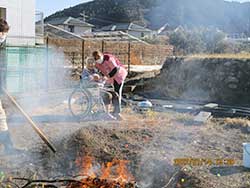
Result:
[[86, 166], [122, 171], [106, 170], [115, 171]]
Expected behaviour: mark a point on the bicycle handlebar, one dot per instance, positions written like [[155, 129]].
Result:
[[95, 85]]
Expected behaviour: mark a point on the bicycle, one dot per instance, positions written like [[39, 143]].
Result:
[[86, 99]]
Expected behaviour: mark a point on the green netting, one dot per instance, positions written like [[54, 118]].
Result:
[[26, 68]]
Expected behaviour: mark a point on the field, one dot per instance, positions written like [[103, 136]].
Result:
[[155, 146]]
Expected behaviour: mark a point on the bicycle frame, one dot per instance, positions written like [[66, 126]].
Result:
[[93, 100]]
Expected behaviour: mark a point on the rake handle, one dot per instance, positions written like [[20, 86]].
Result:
[[32, 123]]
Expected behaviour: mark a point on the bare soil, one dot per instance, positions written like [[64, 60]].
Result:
[[150, 142]]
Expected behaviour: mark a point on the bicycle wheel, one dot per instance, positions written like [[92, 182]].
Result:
[[80, 103]]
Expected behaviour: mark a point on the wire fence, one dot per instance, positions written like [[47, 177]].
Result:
[[35, 69], [129, 52], [32, 69]]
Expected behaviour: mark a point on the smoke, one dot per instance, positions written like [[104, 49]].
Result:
[[157, 165], [231, 17], [41, 82], [37, 75], [194, 79]]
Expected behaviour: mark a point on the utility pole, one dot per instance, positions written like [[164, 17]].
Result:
[[84, 16]]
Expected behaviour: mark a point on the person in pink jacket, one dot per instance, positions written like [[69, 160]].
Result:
[[115, 73]]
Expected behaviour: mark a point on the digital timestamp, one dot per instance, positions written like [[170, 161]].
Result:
[[203, 162]]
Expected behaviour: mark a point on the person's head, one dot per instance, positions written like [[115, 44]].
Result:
[[98, 56], [90, 64], [4, 29]]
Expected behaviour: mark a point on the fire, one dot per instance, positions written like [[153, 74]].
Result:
[[111, 174], [122, 171], [106, 170], [86, 166]]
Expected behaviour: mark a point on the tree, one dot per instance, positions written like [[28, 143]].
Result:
[[196, 40]]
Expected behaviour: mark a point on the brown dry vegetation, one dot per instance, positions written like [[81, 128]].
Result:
[[222, 56], [150, 141]]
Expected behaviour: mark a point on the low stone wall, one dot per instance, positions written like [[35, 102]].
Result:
[[210, 79]]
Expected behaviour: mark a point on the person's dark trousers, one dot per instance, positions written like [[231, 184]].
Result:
[[116, 99], [6, 141], [111, 97]]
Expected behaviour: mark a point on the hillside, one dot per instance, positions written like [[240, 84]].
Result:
[[229, 16]]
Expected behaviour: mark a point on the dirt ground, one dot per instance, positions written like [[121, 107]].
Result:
[[151, 142]]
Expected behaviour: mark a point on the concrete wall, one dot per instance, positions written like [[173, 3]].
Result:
[[20, 15]]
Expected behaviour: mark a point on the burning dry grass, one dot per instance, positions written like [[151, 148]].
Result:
[[114, 154], [110, 152], [103, 143], [111, 174]]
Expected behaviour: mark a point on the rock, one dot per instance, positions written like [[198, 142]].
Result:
[[202, 117]]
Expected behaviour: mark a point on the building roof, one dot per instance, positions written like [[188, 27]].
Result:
[[125, 27], [69, 21], [112, 35], [57, 32], [164, 29]]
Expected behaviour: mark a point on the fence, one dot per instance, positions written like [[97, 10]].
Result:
[[130, 53], [39, 68], [35, 69]]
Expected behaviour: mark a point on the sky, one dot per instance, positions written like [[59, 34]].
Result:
[[49, 7]]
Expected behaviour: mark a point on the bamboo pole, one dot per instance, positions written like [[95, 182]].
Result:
[[83, 54], [129, 57], [32, 123]]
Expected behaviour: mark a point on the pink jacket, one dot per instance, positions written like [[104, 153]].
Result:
[[110, 62]]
